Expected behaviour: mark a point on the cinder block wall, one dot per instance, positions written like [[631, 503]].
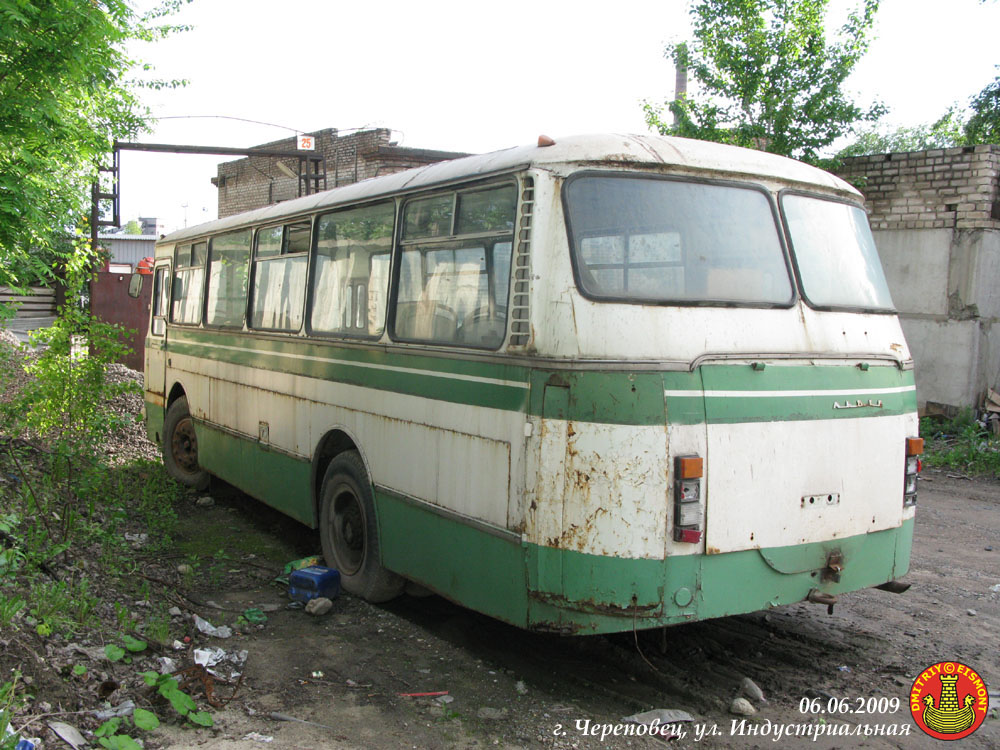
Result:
[[936, 219]]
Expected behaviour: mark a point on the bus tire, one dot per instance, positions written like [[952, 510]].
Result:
[[349, 531], [180, 447]]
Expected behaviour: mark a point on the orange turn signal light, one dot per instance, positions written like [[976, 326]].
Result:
[[689, 467], [914, 446]]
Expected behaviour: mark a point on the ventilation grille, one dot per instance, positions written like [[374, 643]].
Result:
[[520, 327]]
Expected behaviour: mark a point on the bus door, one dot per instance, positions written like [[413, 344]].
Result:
[[156, 340]]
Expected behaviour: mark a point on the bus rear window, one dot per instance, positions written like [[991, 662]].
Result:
[[638, 239], [835, 254]]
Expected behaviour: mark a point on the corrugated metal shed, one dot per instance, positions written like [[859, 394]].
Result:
[[128, 248]]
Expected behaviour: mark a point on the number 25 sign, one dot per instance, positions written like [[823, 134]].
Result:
[[307, 143]]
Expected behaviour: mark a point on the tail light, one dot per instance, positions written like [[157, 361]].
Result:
[[914, 448], [688, 471]]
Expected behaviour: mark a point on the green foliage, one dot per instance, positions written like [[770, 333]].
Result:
[[9, 609], [767, 77], [145, 720], [66, 93], [114, 653], [108, 737], [946, 132], [8, 703], [69, 395], [182, 703], [961, 444], [984, 124], [65, 607], [134, 644]]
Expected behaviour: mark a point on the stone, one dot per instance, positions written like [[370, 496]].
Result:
[[205, 501], [749, 688], [318, 607], [742, 707], [491, 714]]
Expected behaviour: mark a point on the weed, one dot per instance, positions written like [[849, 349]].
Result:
[[63, 606], [157, 628], [182, 703], [125, 620], [8, 705], [9, 609], [962, 444]]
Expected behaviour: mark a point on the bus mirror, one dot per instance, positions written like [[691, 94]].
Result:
[[135, 285]]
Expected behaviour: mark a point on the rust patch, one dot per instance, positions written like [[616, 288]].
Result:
[[709, 550], [568, 628], [589, 606]]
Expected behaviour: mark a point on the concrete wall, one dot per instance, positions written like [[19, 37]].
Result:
[[936, 219], [257, 181]]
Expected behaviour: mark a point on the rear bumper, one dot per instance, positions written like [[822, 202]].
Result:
[[700, 587]]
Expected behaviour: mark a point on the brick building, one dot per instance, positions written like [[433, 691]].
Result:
[[259, 181], [936, 219]]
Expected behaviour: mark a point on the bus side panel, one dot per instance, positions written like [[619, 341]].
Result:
[[477, 567], [275, 478]]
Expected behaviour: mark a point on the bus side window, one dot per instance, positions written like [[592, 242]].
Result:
[[229, 257], [454, 290], [279, 279], [160, 297], [189, 281], [350, 277]]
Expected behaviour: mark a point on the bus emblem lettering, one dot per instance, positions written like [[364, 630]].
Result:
[[858, 404]]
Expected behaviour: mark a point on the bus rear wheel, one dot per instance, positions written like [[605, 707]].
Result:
[[180, 447], [349, 532]]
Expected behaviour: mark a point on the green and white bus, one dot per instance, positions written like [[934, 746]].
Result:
[[606, 383]]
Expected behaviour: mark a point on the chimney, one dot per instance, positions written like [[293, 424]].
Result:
[[680, 85]]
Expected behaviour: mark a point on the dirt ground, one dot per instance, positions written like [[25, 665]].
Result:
[[346, 670]]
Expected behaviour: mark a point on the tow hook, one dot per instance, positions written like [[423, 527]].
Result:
[[894, 587], [834, 567], [821, 597]]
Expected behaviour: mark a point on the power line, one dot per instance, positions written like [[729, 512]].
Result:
[[254, 122]]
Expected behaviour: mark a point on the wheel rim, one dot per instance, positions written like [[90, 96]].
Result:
[[184, 446], [347, 524]]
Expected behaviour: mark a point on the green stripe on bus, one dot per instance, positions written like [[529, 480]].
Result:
[[776, 377], [732, 393]]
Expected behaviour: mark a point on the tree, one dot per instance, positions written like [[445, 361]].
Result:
[[984, 124], [945, 132], [65, 96], [767, 77]]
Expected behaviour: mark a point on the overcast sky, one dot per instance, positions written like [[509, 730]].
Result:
[[474, 76]]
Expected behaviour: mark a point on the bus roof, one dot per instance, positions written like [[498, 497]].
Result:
[[624, 151]]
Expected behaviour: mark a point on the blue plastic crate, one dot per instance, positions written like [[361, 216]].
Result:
[[314, 582]]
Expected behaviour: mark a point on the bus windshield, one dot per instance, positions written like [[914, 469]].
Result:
[[640, 239], [835, 254]]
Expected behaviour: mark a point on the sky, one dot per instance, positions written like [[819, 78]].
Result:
[[476, 77]]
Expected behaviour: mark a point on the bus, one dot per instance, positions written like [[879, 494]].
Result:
[[591, 385]]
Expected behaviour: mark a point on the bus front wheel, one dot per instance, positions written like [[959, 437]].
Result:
[[180, 447], [349, 532]]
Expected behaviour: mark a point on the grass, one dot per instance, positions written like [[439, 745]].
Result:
[[961, 444]]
